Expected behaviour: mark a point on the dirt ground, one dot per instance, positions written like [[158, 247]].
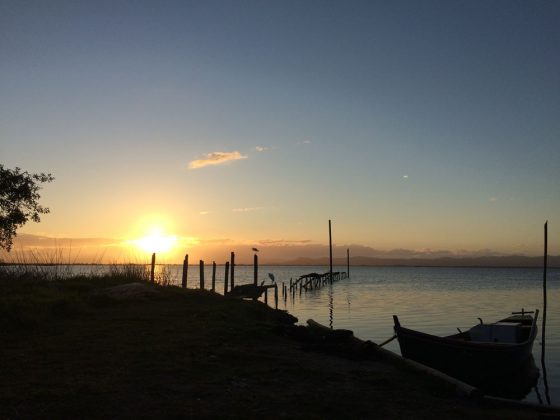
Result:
[[175, 353]]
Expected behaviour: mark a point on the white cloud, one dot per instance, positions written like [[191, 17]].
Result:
[[405, 176], [247, 209], [216, 158], [261, 149]]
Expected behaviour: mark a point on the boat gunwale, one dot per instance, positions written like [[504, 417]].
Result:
[[455, 342]]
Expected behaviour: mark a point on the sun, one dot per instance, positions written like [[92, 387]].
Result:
[[156, 241]]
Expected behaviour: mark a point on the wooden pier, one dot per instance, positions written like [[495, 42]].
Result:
[[312, 281]]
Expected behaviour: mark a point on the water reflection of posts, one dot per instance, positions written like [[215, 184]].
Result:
[[185, 271], [331, 305], [153, 270]]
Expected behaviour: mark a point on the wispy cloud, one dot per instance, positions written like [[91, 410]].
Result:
[[203, 212], [261, 149], [247, 209], [216, 158]]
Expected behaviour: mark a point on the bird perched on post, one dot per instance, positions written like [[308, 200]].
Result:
[[271, 277], [255, 249]]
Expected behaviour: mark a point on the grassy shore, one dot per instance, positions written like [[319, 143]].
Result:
[[71, 350]]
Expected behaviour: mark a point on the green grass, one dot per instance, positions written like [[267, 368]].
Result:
[[69, 352]]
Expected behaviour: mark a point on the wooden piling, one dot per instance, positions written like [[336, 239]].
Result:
[[256, 274], [201, 274], [153, 269], [185, 271], [543, 333], [348, 262], [226, 278], [232, 265], [213, 276], [266, 296], [255, 269], [330, 252], [275, 296]]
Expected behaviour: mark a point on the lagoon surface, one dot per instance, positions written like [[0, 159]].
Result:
[[434, 300]]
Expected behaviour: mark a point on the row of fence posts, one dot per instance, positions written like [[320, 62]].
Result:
[[229, 278], [312, 281]]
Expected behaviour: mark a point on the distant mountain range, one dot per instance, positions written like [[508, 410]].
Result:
[[490, 261]]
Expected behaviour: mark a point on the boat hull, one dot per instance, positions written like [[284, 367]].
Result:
[[485, 365]]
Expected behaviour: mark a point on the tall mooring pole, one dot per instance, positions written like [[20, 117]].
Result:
[[330, 252]]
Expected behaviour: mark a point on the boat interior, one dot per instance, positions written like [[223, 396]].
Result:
[[511, 330]]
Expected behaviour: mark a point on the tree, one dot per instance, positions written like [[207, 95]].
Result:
[[19, 196]]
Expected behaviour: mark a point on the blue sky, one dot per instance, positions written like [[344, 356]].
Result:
[[417, 125]]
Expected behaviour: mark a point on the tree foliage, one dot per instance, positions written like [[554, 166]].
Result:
[[19, 201]]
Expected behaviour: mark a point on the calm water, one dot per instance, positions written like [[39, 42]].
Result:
[[433, 300]]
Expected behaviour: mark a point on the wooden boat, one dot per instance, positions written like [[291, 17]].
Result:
[[497, 351], [248, 291]]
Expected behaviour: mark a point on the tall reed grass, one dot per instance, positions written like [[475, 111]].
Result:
[[61, 264]]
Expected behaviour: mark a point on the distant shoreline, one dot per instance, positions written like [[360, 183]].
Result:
[[510, 262]]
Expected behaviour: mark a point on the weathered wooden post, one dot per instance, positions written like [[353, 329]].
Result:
[[185, 271], [153, 270], [266, 296], [226, 279], [543, 334], [330, 252], [256, 276], [275, 296], [283, 292], [347, 262], [213, 275], [232, 270], [201, 274], [255, 269]]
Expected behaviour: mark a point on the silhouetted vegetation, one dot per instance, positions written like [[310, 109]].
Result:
[[19, 201]]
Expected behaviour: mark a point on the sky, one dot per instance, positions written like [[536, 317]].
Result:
[[210, 126]]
